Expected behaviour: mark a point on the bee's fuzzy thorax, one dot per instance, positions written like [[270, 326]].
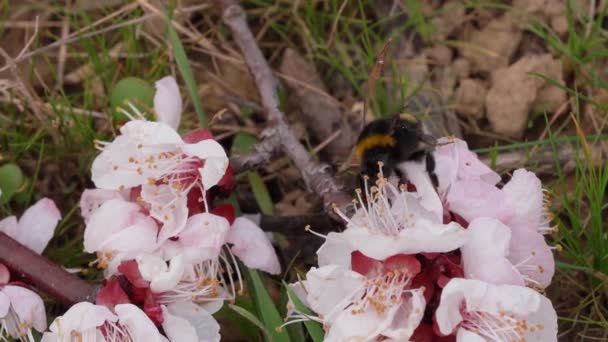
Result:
[[374, 140]]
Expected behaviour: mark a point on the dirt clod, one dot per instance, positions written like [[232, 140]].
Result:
[[470, 98]]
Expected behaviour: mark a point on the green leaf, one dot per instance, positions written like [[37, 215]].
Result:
[[11, 181], [242, 142], [132, 90], [251, 318], [260, 192], [184, 69], [314, 328], [266, 308]]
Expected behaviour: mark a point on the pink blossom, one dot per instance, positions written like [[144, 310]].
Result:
[[117, 231], [251, 245], [20, 311], [90, 322], [168, 102], [36, 226], [478, 311]]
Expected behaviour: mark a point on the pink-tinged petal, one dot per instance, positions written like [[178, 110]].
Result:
[[168, 102], [37, 225], [206, 327], [168, 207], [336, 250], [424, 236], [328, 286], [363, 326], [407, 318], [454, 161], [216, 160], [120, 225], [5, 304], [532, 256], [524, 193], [498, 311], [132, 158], [485, 254], [203, 237], [5, 274], [464, 335], [81, 317], [28, 306], [140, 327], [473, 198], [178, 329], [8, 226], [251, 245], [92, 199]]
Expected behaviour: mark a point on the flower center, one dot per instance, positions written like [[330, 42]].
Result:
[[11, 325], [498, 326], [382, 292]]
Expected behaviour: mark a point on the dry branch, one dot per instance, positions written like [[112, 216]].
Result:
[[316, 175], [44, 274]]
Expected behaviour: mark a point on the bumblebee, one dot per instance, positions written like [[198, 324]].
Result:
[[392, 141]]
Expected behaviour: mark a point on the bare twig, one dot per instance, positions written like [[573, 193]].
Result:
[[47, 276], [261, 153], [315, 175], [324, 117]]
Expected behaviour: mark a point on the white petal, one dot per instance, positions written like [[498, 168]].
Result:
[[150, 266], [423, 237], [139, 325], [166, 281], [92, 199], [464, 335], [425, 191], [251, 245], [116, 224], [474, 198], [206, 327], [485, 254], [5, 304], [407, 318], [524, 193], [529, 249], [178, 329], [168, 102], [202, 238], [335, 250], [216, 160], [125, 162], [8, 226], [81, 317], [37, 225], [167, 207], [328, 286], [28, 306]]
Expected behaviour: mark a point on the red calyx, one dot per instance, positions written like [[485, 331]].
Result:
[[153, 309], [197, 135], [226, 211], [370, 267], [111, 294]]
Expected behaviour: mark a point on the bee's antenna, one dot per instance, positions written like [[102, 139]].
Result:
[[374, 75]]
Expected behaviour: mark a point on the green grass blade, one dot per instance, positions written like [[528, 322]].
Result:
[[184, 68], [314, 328], [251, 318], [260, 192], [267, 311]]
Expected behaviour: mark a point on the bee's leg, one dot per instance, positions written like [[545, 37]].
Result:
[[430, 168]]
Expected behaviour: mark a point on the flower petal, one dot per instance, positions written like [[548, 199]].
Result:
[[28, 306], [5, 304], [336, 250], [140, 327], [423, 237], [216, 160], [473, 198], [524, 193], [201, 239], [162, 279], [206, 327], [37, 225], [8, 226], [166, 206], [407, 318], [529, 250], [132, 158], [92, 199], [252, 246], [327, 287], [178, 329], [5, 275], [425, 194], [168, 102], [485, 254]]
